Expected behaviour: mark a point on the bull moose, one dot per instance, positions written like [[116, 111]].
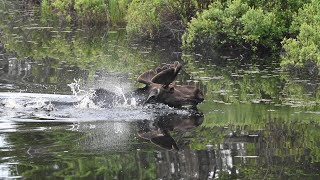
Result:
[[159, 88]]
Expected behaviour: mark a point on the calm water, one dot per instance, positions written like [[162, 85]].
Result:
[[258, 121]]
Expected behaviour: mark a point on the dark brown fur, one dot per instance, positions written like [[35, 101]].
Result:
[[161, 89]]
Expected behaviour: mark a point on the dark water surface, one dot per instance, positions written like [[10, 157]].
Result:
[[258, 121]]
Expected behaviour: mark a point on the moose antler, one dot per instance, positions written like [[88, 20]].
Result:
[[164, 75], [146, 77]]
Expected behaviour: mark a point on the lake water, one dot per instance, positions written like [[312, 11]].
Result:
[[258, 121]]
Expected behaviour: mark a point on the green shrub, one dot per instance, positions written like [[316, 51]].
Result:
[[284, 9], [306, 45], [143, 18], [153, 19], [45, 8], [233, 23], [117, 11], [88, 11], [92, 10], [84, 7], [260, 28], [61, 5]]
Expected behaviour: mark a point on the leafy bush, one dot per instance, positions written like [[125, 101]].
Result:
[[143, 18], [90, 6], [152, 19], [92, 10], [117, 11], [233, 23], [61, 5], [260, 28], [305, 46]]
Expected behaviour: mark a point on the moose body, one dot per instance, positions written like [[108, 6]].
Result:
[[174, 95], [159, 89]]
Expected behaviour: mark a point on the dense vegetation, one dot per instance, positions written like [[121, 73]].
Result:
[[88, 11], [204, 25], [304, 45]]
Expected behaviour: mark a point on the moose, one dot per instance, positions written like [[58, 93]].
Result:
[[158, 131], [159, 88]]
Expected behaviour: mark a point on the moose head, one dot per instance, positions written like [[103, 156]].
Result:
[[161, 89]]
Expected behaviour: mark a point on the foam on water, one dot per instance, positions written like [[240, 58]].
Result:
[[10, 103]]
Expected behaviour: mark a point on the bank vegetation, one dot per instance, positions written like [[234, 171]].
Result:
[[287, 28]]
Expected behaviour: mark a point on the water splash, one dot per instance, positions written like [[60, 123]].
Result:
[[120, 91], [11, 103], [121, 103], [39, 103], [33, 103], [75, 88], [84, 97], [86, 101], [133, 102]]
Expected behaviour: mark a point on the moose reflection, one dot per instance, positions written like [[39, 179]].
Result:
[[158, 131], [160, 88]]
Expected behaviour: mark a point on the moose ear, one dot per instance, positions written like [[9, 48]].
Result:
[[146, 77]]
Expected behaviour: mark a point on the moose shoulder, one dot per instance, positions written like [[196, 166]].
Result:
[[160, 87]]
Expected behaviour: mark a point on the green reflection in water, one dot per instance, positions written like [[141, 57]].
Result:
[[50, 54], [58, 151], [271, 142], [254, 83], [109, 166]]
